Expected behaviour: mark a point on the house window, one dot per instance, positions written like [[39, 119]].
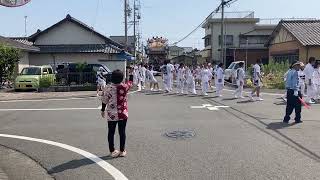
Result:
[[207, 41], [253, 40], [286, 58], [228, 40]]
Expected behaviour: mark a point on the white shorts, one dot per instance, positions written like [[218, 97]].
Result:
[[101, 82]]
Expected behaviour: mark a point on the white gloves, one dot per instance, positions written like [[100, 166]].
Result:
[[296, 93]]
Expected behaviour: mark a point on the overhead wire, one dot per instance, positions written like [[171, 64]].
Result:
[[200, 25], [229, 2]]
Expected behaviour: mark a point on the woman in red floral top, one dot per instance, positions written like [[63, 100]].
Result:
[[115, 110]]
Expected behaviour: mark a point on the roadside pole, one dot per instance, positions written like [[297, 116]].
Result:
[[222, 58]]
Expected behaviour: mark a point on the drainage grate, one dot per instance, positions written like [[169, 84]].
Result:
[[180, 134]]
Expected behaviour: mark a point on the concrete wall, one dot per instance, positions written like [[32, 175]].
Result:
[[234, 29], [24, 61], [111, 61], [69, 33]]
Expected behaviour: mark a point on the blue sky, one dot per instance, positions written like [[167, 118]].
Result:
[[168, 18]]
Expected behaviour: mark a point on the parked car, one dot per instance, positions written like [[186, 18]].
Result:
[[29, 78], [72, 73], [230, 72]]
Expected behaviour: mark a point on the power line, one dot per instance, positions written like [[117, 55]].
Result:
[[200, 25], [229, 2]]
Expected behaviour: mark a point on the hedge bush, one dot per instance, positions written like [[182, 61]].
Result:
[[46, 82]]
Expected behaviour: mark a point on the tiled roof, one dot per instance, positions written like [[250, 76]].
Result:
[[83, 48], [81, 24], [17, 44], [306, 32], [23, 40]]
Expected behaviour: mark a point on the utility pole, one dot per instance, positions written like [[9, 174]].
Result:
[[246, 65], [222, 57], [125, 25], [134, 30]]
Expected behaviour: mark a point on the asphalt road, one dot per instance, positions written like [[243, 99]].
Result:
[[242, 141]]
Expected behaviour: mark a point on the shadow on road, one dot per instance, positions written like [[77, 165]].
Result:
[[229, 99], [74, 164], [278, 125], [246, 101], [280, 103]]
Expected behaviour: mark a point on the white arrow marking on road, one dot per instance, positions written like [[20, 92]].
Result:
[[209, 107], [115, 173], [213, 108]]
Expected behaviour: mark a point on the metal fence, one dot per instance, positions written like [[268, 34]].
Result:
[[75, 79]]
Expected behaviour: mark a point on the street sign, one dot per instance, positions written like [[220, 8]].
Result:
[[13, 3]]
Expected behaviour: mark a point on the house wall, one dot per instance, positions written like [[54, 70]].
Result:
[[68, 33], [253, 55], [307, 52], [231, 28], [111, 61], [24, 61]]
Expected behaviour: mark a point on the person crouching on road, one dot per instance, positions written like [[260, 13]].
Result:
[[115, 110], [240, 76], [219, 80], [293, 94]]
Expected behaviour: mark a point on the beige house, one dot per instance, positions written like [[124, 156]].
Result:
[[295, 40], [72, 41]]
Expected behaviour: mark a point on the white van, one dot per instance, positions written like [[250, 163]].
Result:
[[229, 73]]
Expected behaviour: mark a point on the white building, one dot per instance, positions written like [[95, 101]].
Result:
[[243, 35]]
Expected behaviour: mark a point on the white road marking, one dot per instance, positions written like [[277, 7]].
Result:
[[213, 108], [43, 100], [58, 99], [209, 107], [51, 109], [115, 173]]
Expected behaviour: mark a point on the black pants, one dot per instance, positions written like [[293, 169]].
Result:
[[293, 103], [122, 133]]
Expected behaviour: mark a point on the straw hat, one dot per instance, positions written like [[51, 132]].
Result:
[[298, 63]]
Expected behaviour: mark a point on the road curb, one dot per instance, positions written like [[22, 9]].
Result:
[[17, 165]]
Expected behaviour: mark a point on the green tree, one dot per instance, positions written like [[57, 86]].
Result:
[[9, 57]]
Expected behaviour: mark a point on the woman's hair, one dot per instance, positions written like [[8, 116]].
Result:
[[117, 76], [220, 65]]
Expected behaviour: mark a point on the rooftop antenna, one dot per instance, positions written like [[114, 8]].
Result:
[[25, 26]]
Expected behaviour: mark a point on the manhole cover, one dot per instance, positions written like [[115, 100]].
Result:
[[180, 134]]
